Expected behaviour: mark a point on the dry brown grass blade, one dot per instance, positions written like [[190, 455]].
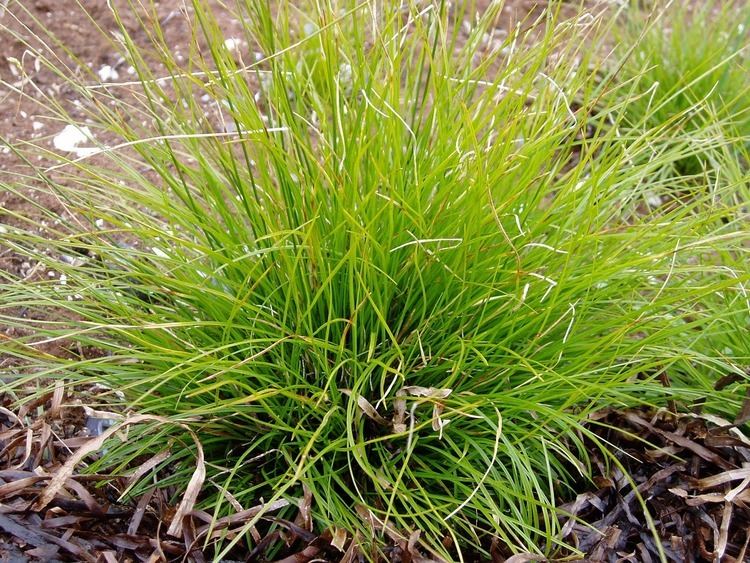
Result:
[[715, 498], [238, 518], [191, 550], [88, 499], [304, 518], [33, 535], [686, 443], [45, 436], [62, 521], [744, 414], [525, 558], [378, 525], [721, 478], [573, 509], [29, 407], [148, 466], [743, 552], [67, 470], [57, 398], [10, 414], [44, 553], [140, 511], [28, 449], [339, 539], [64, 473], [430, 392], [305, 556], [353, 550], [9, 490], [13, 435], [366, 407], [721, 543]]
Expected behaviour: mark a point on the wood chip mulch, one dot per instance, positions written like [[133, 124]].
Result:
[[691, 471], [46, 515], [693, 474]]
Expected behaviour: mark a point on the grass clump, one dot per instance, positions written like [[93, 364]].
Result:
[[688, 67], [396, 279]]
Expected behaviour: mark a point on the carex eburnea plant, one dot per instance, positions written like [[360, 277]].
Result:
[[382, 258]]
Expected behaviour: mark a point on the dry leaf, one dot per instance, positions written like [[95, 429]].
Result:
[[339, 539], [366, 407], [525, 558], [64, 473], [431, 392], [148, 466]]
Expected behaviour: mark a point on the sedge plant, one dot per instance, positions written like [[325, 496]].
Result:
[[386, 279], [688, 73]]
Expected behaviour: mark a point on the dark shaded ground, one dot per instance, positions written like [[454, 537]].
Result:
[[693, 475]]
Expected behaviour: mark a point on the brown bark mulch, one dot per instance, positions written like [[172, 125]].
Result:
[[690, 471]]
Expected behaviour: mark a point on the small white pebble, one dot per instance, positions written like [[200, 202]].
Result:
[[653, 200], [37, 125], [107, 74], [232, 44], [63, 279], [70, 137], [99, 223]]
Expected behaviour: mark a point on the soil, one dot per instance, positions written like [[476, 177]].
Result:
[[99, 530]]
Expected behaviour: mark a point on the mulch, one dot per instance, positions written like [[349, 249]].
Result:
[[690, 471]]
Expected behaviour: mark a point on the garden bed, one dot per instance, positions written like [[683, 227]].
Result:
[[649, 415]]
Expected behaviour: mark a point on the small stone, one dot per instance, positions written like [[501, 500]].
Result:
[[107, 73], [232, 44], [653, 200]]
